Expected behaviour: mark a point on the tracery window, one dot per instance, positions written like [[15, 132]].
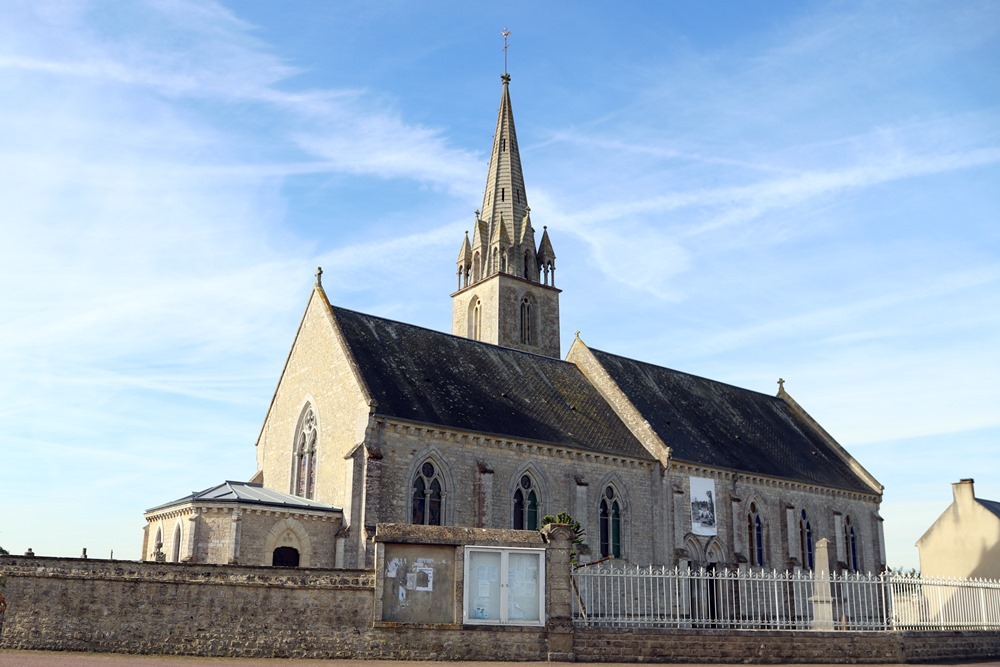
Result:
[[610, 524], [755, 535], [427, 500], [851, 542], [526, 321], [525, 505], [806, 542], [304, 455]]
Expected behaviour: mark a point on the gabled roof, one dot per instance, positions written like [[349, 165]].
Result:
[[715, 424], [426, 376], [248, 493]]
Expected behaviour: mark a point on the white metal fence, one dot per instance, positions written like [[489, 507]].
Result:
[[761, 600]]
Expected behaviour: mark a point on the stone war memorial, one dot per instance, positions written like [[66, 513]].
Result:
[[404, 477]]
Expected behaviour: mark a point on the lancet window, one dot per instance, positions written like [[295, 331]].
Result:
[[427, 500], [851, 543], [175, 548], [477, 321], [526, 332], [806, 542]]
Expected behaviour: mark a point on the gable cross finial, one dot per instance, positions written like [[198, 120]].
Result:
[[319, 276], [781, 384], [506, 33]]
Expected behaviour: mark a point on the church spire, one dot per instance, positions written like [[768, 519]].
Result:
[[506, 285], [505, 203]]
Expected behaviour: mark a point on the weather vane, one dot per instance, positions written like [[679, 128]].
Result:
[[506, 33]]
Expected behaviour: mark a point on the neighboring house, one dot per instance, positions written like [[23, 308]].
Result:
[[965, 540], [487, 427]]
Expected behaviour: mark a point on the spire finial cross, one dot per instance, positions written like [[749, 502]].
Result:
[[319, 276], [506, 33]]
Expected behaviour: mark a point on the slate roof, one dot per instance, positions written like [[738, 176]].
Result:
[[992, 505], [247, 492], [427, 376], [715, 424]]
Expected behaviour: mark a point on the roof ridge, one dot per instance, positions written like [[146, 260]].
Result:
[[463, 339], [692, 375]]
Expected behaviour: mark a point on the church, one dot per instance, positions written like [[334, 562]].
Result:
[[375, 422]]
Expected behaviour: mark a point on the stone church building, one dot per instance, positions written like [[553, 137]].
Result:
[[375, 421]]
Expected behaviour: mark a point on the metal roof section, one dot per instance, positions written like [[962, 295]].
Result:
[[247, 493], [426, 376], [711, 423]]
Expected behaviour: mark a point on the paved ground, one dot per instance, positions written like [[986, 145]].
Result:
[[54, 659]]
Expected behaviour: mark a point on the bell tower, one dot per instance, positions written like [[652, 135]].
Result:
[[506, 284]]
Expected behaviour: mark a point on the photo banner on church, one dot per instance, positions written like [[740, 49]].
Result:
[[703, 506]]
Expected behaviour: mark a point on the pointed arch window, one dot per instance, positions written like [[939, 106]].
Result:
[[157, 543], [525, 504], [477, 321], [304, 454], [806, 542], [851, 542], [427, 500], [526, 332], [175, 548], [755, 535], [610, 523]]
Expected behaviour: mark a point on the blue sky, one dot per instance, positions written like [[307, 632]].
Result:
[[743, 191]]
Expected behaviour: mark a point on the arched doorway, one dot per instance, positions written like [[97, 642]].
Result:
[[285, 557]]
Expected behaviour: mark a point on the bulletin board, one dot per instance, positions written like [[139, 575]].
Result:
[[418, 583]]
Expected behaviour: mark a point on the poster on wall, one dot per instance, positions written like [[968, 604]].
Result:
[[703, 517]]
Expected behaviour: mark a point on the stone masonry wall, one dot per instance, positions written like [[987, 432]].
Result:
[[481, 474], [217, 610]]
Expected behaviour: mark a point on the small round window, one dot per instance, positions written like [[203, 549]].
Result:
[[427, 469]]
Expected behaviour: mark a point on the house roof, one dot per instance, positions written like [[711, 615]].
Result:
[[715, 424], [427, 376], [247, 493]]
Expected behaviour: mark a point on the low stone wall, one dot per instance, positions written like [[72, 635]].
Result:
[[217, 610], [726, 646], [774, 647], [241, 611], [948, 646], [129, 607]]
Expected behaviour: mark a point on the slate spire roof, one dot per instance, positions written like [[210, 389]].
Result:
[[503, 241], [504, 194]]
